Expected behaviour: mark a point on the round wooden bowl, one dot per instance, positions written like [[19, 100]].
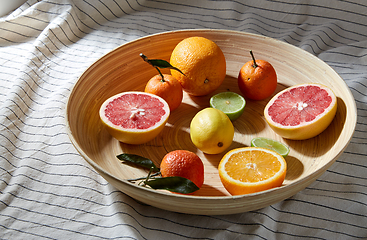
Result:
[[123, 70]]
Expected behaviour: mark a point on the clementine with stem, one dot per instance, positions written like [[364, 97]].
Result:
[[167, 87], [257, 79], [164, 85]]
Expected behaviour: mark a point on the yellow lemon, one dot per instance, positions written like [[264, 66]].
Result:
[[211, 131]]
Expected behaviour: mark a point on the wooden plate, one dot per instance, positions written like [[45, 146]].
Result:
[[123, 70]]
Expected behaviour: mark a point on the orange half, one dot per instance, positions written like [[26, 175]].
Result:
[[251, 169]]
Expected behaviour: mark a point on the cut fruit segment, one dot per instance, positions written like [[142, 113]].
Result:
[[134, 117], [232, 104], [251, 169], [271, 144], [302, 111]]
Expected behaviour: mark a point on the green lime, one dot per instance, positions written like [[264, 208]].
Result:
[[271, 144], [232, 104]]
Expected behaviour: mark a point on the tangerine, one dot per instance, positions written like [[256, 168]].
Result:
[[203, 64], [183, 163], [257, 79], [251, 169], [167, 87]]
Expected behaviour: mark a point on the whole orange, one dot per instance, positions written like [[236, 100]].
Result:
[[183, 163], [257, 81], [167, 88], [203, 64]]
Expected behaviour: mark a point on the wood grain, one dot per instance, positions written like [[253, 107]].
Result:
[[123, 70]]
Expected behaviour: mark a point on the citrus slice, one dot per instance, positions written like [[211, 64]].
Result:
[[232, 104], [251, 169], [302, 111], [134, 117], [271, 144]]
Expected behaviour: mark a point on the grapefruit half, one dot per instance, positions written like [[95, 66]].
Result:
[[134, 117], [302, 111]]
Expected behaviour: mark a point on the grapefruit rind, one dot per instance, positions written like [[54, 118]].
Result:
[[237, 187], [304, 130], [134, 136]]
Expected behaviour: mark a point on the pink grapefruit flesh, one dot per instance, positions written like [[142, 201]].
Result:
[[302, 111], [134, 117]]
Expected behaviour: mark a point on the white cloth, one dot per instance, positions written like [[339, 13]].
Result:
[[48, 191]]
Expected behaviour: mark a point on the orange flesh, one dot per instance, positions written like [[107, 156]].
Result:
[[252, 166]]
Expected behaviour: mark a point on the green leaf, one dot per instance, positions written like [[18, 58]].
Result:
[[173, 184], [159, 63], [139, 160]]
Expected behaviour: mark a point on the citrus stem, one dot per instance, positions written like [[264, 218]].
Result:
[[147, 60], [253, 59], [143, 178], [162, 80], [147, 178], [144, 57]]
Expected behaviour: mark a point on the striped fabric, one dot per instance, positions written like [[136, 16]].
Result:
[[48, 191]]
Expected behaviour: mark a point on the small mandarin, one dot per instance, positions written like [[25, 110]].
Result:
[[183, 163], [257, 79], [167, 88]]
